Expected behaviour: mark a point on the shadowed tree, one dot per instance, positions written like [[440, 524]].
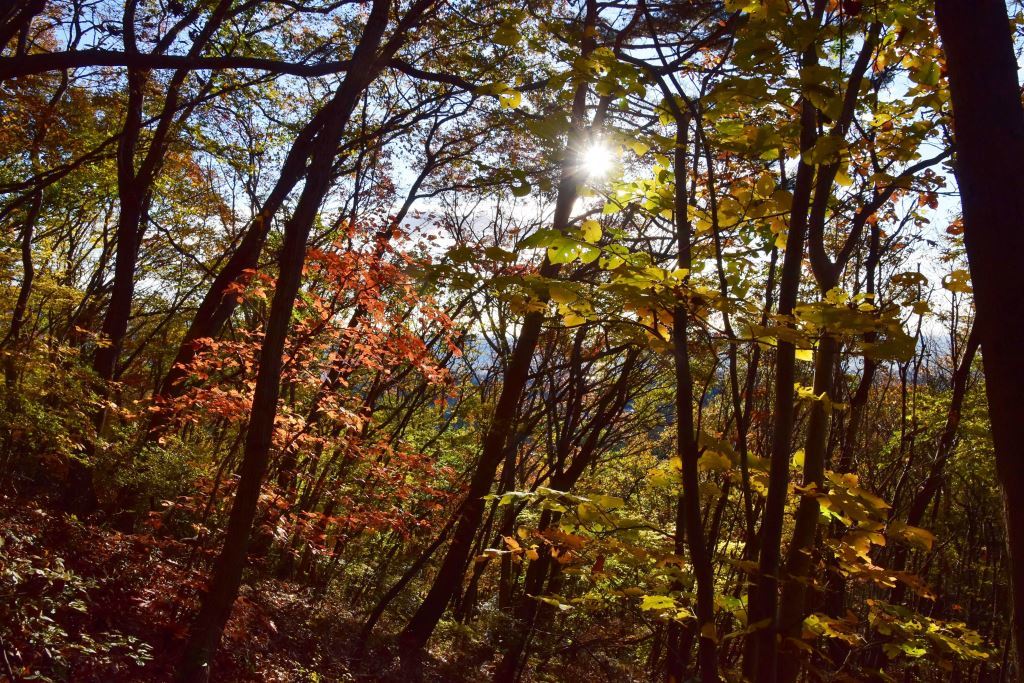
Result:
[[988, 130]]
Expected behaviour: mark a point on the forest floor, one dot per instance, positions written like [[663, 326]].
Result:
[[83, 603]]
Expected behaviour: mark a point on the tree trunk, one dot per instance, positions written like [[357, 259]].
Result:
[[800, 555], [132, 199], [449, 576], [219, 303], [763, 603], [11, 342], [227, 575], [686, 439], [988, 128], [943, 452]]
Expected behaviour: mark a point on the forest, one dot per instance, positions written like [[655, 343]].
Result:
[[511, 340]]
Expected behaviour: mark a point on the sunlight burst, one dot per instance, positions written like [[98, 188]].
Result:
[[597, 160]]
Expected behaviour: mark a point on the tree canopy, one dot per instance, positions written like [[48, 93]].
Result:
[[517, 340]]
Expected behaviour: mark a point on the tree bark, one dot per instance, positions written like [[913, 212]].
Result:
[[763, 604], [227, 576], [686, 437], [421, 626], [988, 129]]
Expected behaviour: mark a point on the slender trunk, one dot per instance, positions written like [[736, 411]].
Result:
[[219, 302], [227, 574], [15, 20], [449, 576], [943, 452], [764, 604], [395, 590], [528, 609], [80, 492], [10, 344], [132, 199], [507, 528], [686, 436], [800, 555], [836, 584], [135, 183], [678, 639]]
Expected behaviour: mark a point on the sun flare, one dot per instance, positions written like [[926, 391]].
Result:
[[597, 160]]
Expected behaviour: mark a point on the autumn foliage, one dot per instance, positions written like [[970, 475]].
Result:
[[523, 341]]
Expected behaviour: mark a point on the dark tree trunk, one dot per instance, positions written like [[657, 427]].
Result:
[[449, 576], [219, 302], [11, 343], [132, 199], [227, 575], [686, 440], [988, 128], [800, 556], [943, 452], [135, 181], [763, 657], [528, 610], [16, 18]]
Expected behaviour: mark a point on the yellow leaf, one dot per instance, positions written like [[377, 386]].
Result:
[[591, 231], [561, 294], [765, 185], [608, 502], [712, 461], [638, 147], [510, 99], [572, 319], [843, 178], [958, 281], [915, 536]]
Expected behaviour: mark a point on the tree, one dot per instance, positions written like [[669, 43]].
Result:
[[449, 577], [598, 341], [982, 71], [213, 615]]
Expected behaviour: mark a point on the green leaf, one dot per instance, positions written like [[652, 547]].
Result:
[[608, 502], [611, 207], [915, 536], [653, 602], [507, 34], [541, 238], [563, 250], [639, 148], [461, 255]]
